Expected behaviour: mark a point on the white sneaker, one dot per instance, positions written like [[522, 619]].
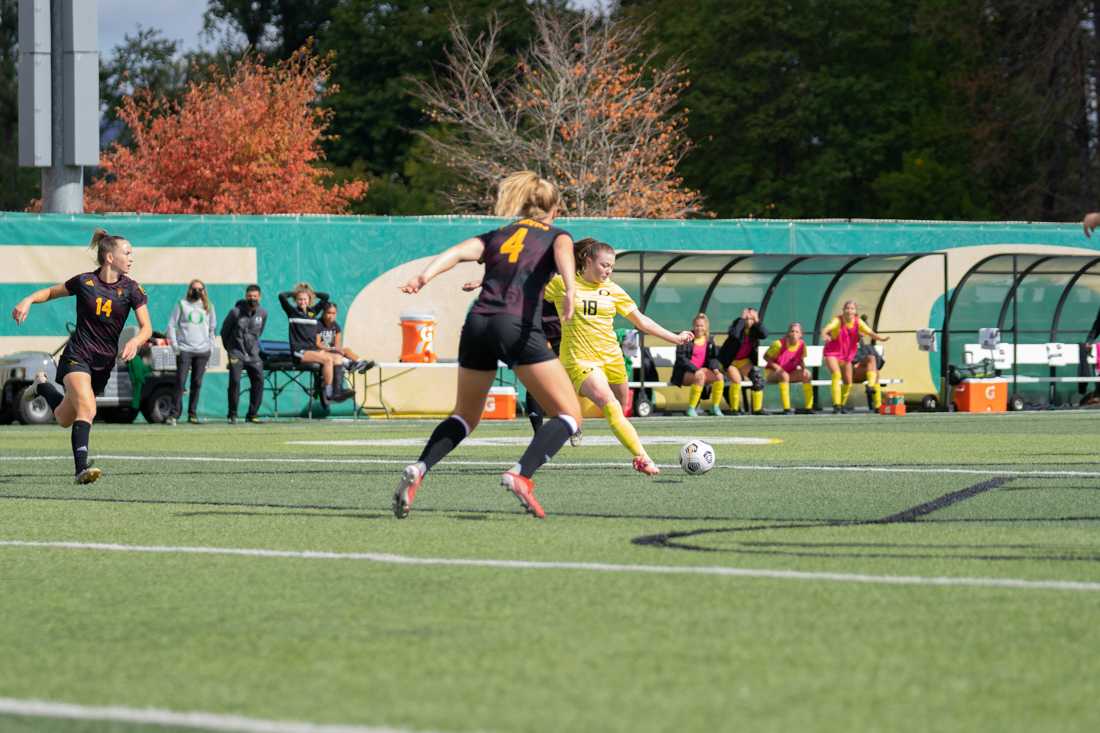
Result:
[[31, 392]]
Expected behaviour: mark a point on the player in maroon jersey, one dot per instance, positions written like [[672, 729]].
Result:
[[505, 324], [104, 298]]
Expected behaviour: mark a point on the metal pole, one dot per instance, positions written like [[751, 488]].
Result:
[[1015, 330], [945, 341], [62, 185]]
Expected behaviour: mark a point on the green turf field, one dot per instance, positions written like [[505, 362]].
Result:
[[930, 572]]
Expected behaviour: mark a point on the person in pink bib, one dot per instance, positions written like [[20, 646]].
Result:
[[697, 366], [785, 362], [841, 338]]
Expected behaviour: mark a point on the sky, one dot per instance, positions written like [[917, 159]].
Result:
[[179, 20]]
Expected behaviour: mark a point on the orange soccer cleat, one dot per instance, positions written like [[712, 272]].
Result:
[[406, 490], [524, 490], [645, 464]]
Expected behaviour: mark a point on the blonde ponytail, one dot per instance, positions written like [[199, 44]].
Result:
[[103, 243], [525, 194]]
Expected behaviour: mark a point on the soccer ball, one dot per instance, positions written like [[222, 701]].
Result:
[[697, 457]]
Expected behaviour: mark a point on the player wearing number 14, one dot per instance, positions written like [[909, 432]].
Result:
[[104, 298]]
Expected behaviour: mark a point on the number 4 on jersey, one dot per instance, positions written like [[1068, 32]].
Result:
[[514, 244]]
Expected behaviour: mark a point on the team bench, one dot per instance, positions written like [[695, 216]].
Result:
[[1051, 355], [281, 372], [665, 356]]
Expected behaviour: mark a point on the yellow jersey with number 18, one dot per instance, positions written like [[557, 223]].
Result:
[[590, 335]]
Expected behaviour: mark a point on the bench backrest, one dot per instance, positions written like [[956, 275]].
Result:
[[666, 355], [1053, 354]]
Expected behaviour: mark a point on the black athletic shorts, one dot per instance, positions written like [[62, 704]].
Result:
[[69, 363], [486, 340]]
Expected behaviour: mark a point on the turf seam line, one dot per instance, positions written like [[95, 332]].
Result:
[[992, 471], [756, 573], [154, 716]]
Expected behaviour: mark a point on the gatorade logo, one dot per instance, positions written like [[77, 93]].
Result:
[[490, 404], [426, 332], [990, 393]]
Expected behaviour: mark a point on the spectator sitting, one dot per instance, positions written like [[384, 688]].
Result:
[[697, 366], [330, 339], [241, 331], [302, 311]]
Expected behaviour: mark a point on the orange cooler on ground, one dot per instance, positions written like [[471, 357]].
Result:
[[982, 395], [418, 337], [893, 403], [500, 404]]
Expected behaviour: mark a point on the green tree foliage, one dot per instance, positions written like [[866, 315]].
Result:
[[380, 46], [17, 185], [277, 28], [144, 61]]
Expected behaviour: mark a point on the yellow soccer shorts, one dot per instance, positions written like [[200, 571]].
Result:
[[613, 368]]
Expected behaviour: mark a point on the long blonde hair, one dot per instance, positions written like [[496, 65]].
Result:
[[202, 295], [706, 323], [104, 243], [305, 288], [525, 194]]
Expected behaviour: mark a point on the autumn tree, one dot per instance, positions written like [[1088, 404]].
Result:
[[584, 106], [247, 141]]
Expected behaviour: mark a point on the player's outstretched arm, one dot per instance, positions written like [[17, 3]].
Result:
[[468, 250], [145, 330], [1091, 221], [650, 327], [20, 311], [567, 268]]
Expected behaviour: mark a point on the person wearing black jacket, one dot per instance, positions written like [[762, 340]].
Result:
[[738, 359], [697, 366], [241, 331], [304, 308]]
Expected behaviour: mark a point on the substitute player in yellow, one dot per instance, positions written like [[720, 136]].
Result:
[[590, 352]]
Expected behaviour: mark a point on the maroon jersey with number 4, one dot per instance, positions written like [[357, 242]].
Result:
[[101, 312], [519, 260]]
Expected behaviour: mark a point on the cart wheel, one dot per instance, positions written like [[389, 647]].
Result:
[[643, 408], [1016, 403], [930, 403]]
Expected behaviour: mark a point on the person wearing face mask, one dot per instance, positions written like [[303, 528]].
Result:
[[241, 331], [191, 333], [590, 351]]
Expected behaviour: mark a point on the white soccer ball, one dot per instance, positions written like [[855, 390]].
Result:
[[697, 457]]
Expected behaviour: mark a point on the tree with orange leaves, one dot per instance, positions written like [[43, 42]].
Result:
[[246, 141], [584, 107]]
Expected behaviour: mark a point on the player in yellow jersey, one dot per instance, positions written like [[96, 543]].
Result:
[[590, 352]]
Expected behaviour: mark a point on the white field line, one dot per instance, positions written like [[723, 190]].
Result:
[[377, 557], [590, 441], [564, 464], [153, 716]]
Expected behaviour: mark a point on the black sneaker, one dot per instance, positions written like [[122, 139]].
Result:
[[323, 399], [803, 411], [342, 395], [837, 410], [254, 420], [760, 412], [364, 365], [788, 411], [194, 420]]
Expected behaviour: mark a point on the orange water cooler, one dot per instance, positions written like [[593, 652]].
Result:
[[500, 404], [982, 395], [418, 337]]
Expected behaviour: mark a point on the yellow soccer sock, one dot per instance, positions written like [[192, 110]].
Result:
[[876, 390], [716, 389], [735, 396], [835, 388], [785, 395], [845, 390], [808, 395], [623, 429], [757, 400], [695, 395]]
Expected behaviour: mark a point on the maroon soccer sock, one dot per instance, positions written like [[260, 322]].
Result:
[[80, 434], [50, 393]]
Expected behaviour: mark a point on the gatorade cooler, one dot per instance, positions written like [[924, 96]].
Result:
[[893, 403], [500, 404], [418, 337], [982, 395]]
